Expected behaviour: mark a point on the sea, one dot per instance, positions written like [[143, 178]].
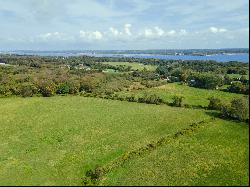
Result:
[[240, 57]]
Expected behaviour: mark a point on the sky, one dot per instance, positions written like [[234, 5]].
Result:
[[123, 24]]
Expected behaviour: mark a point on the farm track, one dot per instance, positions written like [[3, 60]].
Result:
[[95, 176]]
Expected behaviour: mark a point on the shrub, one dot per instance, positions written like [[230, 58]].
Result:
[[238, 87], [35, 65], [214, 103], [63, 88], [150, 99], [178, 101], [152, 83], [74, 86], [131, 98], [4, 90], [238, 109], [27, 89], [46, 88]]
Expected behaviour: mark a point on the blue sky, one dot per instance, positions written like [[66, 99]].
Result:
[[123, 24]]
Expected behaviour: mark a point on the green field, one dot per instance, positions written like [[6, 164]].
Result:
[[54, 141], [216, 155], [238, 76], [135, 66], [192, 96]]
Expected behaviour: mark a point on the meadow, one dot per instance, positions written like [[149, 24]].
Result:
[[192, 96], [135, 66], [56, 140], [216, 155]]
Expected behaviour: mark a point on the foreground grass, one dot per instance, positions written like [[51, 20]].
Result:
[[216, 155], [135, 66], [54, 141]]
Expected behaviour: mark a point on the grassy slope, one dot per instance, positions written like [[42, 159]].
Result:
[[192, 96], [238, 76], [135, 66], [216, 155], [53, 141]]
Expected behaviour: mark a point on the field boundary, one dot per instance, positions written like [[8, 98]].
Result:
[[94, 176]]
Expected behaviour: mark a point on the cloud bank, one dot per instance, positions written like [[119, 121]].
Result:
[[123, 24]]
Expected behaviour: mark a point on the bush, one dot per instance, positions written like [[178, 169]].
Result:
[[238, 109], [131, 98], [4, 90], [152, 83], [63, 89], [178, 101], [74, 86], [46, 88], [27, 89], [150, 99], [35, 65], [214, 103], [238, 87]]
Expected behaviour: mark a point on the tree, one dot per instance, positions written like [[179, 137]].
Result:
[[163, 70], [206, 80]]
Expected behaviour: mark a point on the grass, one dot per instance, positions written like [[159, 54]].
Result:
[[238, 76], [192, 96], [216, 155], [134, 66], [54, 141]]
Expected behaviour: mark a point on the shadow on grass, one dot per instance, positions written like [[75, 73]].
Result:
[[217, 114], [214, 114]]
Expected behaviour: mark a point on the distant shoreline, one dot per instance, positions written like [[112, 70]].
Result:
[[219, 57]]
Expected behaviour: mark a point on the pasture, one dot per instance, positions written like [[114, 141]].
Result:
[[192, 96], [216, 155], [135, 66], [54, 141]]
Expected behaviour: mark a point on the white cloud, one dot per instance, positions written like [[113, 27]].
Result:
[[52, 36], [171, 33], [87, 35], [159, 31], [97, 35], [114, 31], [127, 29], [155, 32], [222, 30], [183, 32], [148, 33], [217, 30]]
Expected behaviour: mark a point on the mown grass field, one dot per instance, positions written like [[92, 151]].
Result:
[[135, 66], [216, 155], [192, 96], [54, 141]]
